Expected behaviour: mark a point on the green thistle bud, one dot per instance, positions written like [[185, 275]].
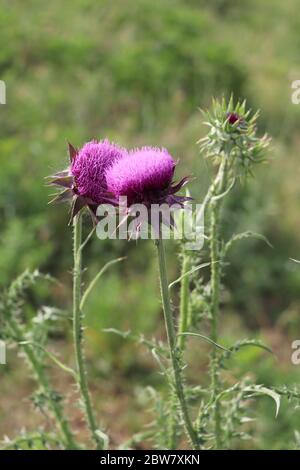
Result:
[[233, 135]]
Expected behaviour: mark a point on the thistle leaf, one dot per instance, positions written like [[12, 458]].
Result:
[[206, 338], [241, 236], [191, 271], [103, 437], [260, 389], [95, 280], [250, 342], [51, 356]]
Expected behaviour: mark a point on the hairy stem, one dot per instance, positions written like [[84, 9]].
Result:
[[173, 434], [215, 206], [78, 334], [184, 300], [215, 285], [183, 327], [174, 351], [44, 384]]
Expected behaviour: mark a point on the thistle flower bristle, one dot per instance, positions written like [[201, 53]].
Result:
[[145, 176], [141, 173], [84, 180], [89, 165], [72, 152]]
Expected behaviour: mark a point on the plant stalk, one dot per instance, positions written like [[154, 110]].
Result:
[[174, 350], [78, 334], [183, 327], [184, 300], [215, 206]]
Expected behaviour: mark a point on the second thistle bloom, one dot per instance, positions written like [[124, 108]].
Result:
[[145, 176]]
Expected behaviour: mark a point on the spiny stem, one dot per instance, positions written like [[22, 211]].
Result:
[[172, 422], [44, 384], [214, 318], [184, 300], [215, 294], [174, 352], [78, 333], [183, 327]]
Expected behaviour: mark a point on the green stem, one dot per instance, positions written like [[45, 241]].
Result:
[[215, 294], [215, 285], [173, 435], [78, 334], [174, 352], [184, 300], [184, 322], [44, 384]]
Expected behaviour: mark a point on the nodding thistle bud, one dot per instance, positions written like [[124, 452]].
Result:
[[84, 180], [145, 176], [233, 136]]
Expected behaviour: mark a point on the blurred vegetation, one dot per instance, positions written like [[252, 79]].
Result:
[[137, 71]]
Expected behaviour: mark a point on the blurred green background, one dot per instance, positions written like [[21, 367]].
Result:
[[137, 72]]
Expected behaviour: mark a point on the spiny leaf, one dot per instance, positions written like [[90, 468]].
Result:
[[260, 389], [103, 437], [206, 338], [51, 356], [191, 271], [241, 236], [85, 242], [249, 342], [227, 191], [123, 334]]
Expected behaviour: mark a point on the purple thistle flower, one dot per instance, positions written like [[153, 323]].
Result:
[[145, 176], [89, 165], [233, 118], [84, 180]]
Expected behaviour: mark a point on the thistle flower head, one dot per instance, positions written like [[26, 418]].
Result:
[[144, 176], [89, 165], [84, 180], [233, 135]]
